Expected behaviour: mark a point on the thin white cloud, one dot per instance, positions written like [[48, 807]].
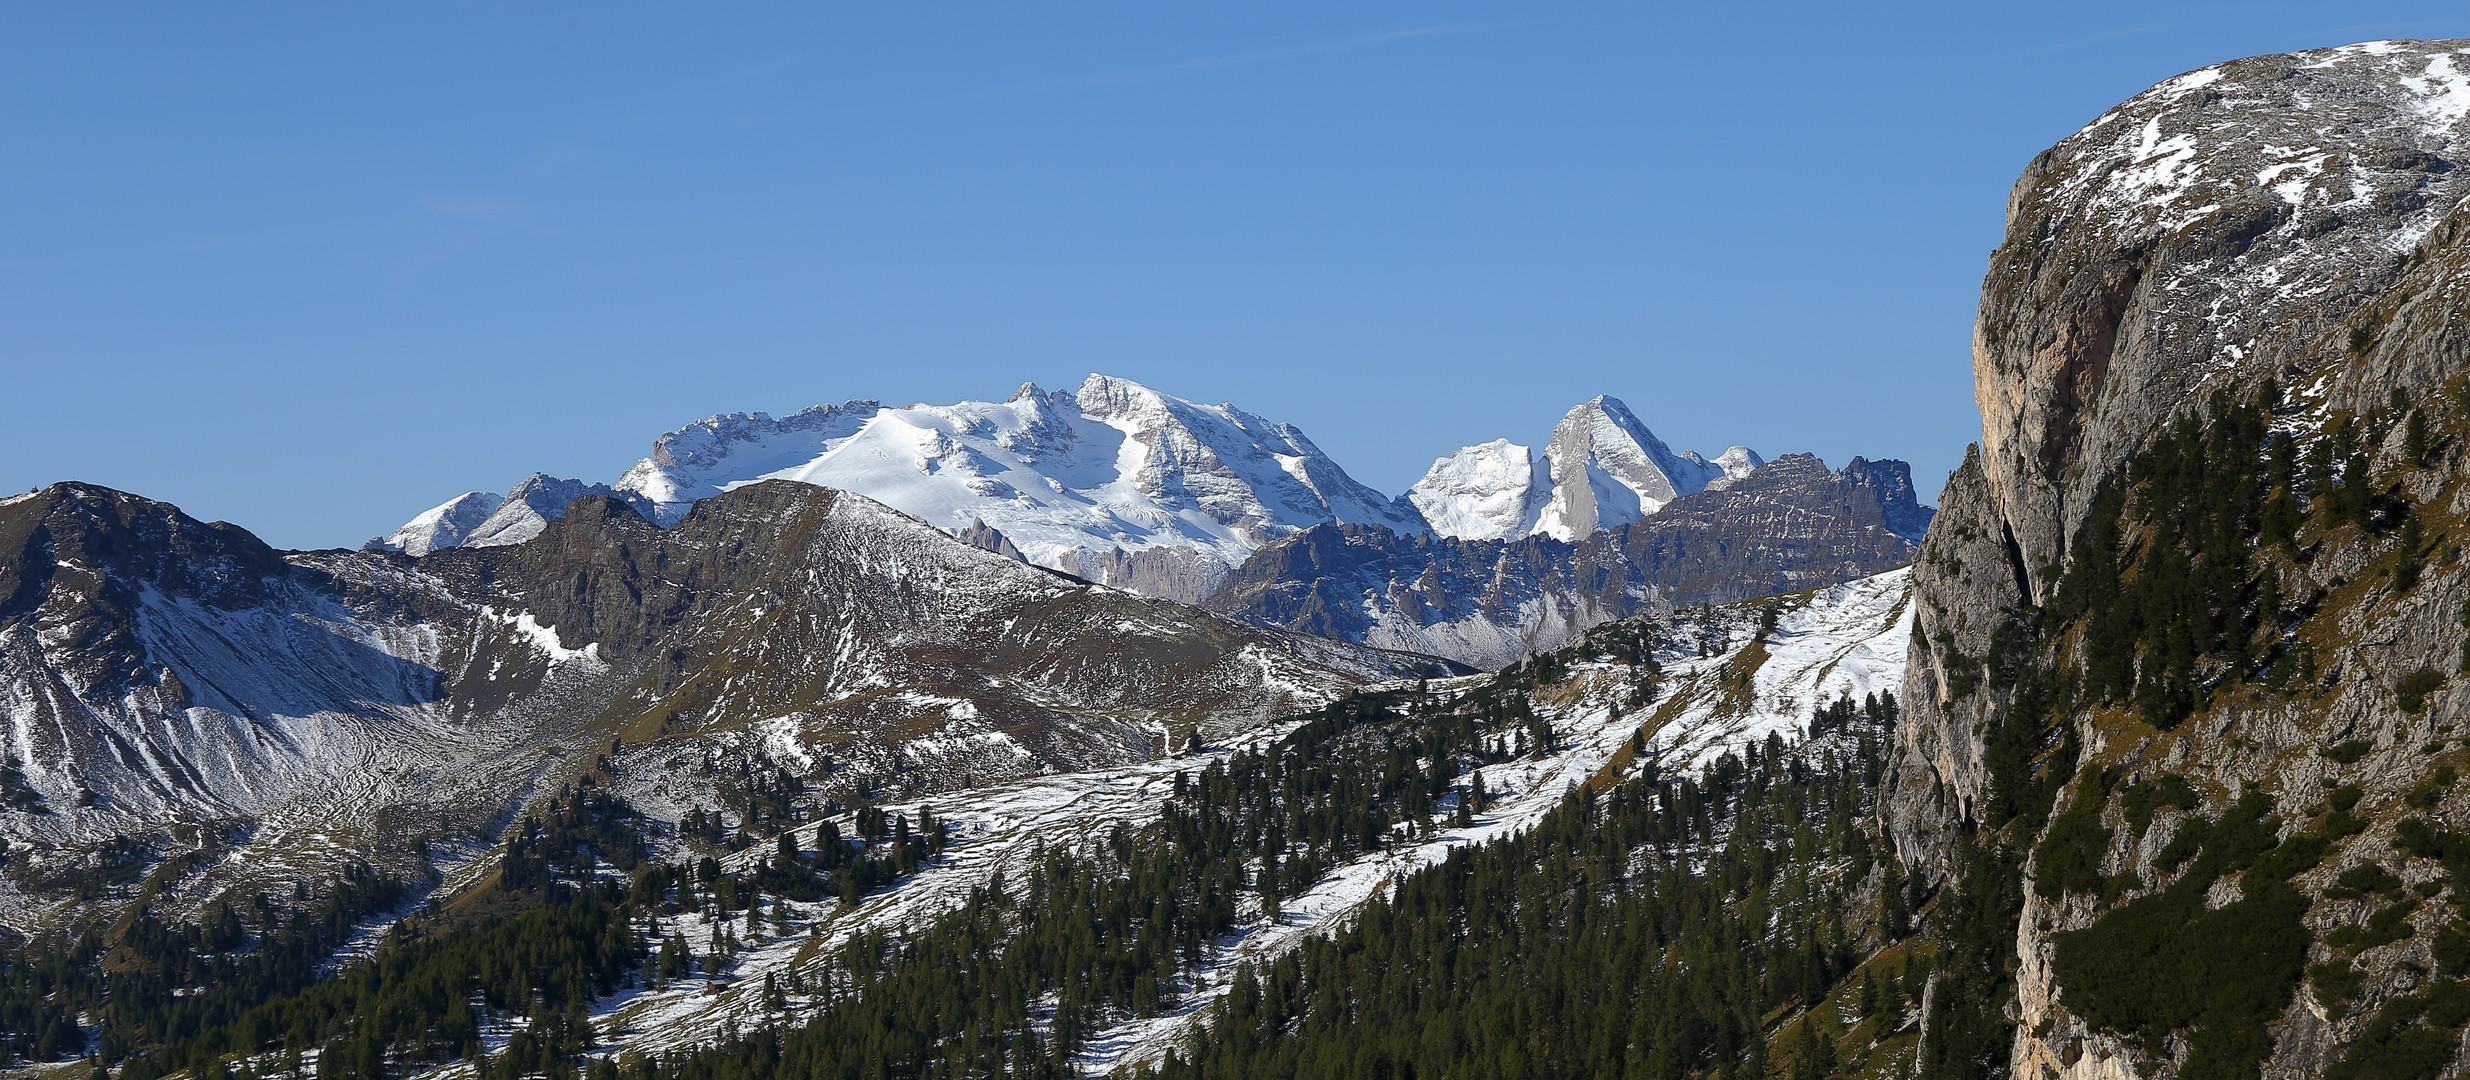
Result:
[[1211, 63]]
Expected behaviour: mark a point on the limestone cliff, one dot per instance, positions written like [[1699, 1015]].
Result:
[[2189, 624], [2213, 229]]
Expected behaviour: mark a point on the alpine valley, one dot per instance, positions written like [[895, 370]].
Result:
[[1107, 733]]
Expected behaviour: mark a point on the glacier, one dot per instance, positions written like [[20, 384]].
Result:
[[1114, 482]]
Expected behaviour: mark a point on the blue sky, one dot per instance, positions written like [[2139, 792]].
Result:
[[314, 268]]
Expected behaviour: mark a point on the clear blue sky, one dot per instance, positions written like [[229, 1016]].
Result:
[[313, 268]]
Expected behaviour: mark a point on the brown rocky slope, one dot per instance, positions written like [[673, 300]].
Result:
[[178, 694]]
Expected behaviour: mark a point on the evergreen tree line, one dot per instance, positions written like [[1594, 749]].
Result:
[[1587, 947], [1106, 935], [2173, 596], [426, 994], [1015, 979], [244, 980], [581, 827], [2175, 578], [137, 982]]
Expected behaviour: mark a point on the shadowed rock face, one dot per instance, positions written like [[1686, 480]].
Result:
[[1963, 566], [74, 559], [1789, 525], [163, 669]]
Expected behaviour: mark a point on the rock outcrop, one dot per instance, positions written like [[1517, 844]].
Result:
[[2281, 239], [2213, 230]]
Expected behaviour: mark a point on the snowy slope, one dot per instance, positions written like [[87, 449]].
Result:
[[1601, 469], [1489, 491], [1118, 483], [528, 509], [1828, 644], [487, 519], [448, 524], [1115, 483]]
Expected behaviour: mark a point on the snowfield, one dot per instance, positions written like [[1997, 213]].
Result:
[[1113, 482]]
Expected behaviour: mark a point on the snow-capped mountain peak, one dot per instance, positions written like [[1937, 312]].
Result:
[[1246, 472], [698, 461], [1601, 469], [1735, 463], [1114, 481], [528, 509], [1119, 483], [1489, 491], [445, 525], [488, 519], [1608, 469]]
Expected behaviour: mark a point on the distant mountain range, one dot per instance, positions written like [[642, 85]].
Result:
[[1119, 484], [1115, 483], [1787, 525]]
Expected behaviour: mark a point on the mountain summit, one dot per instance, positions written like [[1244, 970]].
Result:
[[1115, 482], [1602, 469]]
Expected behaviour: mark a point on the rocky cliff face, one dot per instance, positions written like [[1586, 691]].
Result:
[[1965, 586], [1786, 526], [158, 673], [2217, 227], [2201, 550]]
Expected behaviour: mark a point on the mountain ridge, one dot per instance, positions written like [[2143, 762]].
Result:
[[2173, 789], [1785, 526], [155, 669], [1118, 483]]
